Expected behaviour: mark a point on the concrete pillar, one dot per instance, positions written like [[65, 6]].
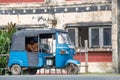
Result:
[[119, 35], [115, 36]]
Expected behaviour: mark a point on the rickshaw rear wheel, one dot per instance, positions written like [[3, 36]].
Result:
[[72, 69], [16, 69], [32, 71]]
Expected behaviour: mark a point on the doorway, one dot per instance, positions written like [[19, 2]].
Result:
[[31, 45]]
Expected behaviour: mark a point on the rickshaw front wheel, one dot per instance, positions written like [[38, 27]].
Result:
[[72, 69], [16, 69]]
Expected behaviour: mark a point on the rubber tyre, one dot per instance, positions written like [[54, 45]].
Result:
[[32, 71], [72, 69], [16, 69]]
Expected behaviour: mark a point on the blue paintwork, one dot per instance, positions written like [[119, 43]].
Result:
[[62, 59], [18, 57], [42, 60], [21, 58]]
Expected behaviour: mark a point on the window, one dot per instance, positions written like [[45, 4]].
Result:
[[73, 34], [31, 44], [106, 36], [95, 37], [99, 37], [47, 43], [63, 38]]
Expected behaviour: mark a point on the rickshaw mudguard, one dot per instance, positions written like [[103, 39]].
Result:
[[76, 62], [19, 62]]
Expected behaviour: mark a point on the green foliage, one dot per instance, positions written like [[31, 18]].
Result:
[[5, 41]]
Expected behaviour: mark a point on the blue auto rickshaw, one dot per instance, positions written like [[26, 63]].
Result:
[[53, 50]]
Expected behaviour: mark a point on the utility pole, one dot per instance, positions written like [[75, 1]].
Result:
[[86, 56], [118, 4], [115, 36]]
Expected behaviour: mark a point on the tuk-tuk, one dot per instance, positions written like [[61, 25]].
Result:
[[33, 49]]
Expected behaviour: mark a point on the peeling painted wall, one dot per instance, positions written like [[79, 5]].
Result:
[[41, 3], [63, 15], [99, 67]]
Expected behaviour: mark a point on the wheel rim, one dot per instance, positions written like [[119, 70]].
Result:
[[72, 69], [16, 69]]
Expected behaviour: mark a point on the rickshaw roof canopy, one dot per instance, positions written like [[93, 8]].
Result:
[[35, 32], [18, 38]]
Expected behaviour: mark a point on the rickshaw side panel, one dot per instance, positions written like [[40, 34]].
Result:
[[18, 57], [61, 60], [42, 59], [41, 63]]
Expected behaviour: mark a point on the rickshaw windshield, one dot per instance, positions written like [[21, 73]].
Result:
[[63, 38]]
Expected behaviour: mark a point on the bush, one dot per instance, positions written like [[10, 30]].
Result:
[[5, 41]]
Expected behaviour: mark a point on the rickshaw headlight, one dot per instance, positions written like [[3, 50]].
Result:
[[63, 51]]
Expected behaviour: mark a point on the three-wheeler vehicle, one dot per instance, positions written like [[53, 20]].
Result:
[[33, 49]]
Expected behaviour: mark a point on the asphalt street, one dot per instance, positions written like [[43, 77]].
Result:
[[60, 77]]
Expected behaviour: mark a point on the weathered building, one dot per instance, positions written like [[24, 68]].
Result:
[[89, 20]]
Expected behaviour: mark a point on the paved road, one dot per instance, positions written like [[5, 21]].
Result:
[[60, 77]]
